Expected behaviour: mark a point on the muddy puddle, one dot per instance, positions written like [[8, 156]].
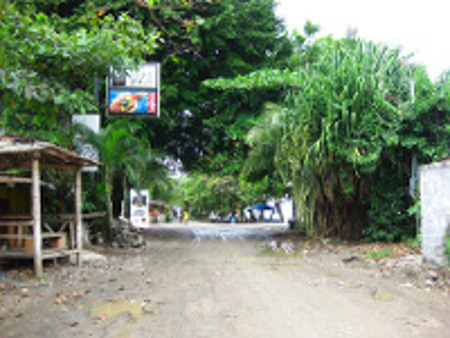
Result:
[[111, 309]]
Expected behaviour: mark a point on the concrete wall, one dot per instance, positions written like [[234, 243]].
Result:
[[435, 209]]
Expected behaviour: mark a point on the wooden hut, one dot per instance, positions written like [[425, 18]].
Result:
[[25, 234]]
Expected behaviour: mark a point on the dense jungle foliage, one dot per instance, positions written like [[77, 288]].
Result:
[[250, 111]]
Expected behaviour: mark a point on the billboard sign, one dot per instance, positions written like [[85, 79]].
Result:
[[139, 208], [135, 92]]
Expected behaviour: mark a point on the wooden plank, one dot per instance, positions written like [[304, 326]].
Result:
[[16, 223], [52, 155], [46, 254], [71, 217], [20, 234], [56, 253], [15, 236], [94, 215], [36, 205], [15, 217], [59, 242], [44, 165], [14, 179], [16, 255], [78, 220], [55, 242], [47, 227], [72, 235], [43, 236], [12, 231], [64, 226], [28, 245]]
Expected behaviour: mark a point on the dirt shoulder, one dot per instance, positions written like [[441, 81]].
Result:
[[187, 287], [398, 262]]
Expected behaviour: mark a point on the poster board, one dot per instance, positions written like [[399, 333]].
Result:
[[134, 92], [139, 204]]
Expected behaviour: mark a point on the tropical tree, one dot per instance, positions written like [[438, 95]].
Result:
[[204, 194], [340, 135], [51, 54], [48, 64], [127, 159], [202, 127]]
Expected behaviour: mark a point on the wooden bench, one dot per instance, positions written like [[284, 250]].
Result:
[[50, 240]]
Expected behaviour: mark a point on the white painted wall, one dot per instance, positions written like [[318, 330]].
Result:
[[435, 210]]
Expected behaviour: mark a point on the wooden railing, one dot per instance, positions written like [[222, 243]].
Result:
[[58, 234]]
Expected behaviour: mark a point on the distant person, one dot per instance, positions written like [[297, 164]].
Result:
[[186, 217]]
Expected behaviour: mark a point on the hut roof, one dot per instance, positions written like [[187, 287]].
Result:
[[17, 152], [14, 179]]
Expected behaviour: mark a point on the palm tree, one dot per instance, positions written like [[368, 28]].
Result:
[[338, 120], [125, 157]]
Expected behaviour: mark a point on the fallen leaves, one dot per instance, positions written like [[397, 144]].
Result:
[[62, 298]]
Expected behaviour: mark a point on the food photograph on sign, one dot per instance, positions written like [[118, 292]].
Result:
[[132, 102], [134, 92]]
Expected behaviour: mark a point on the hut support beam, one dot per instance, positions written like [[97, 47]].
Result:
[[36, 191], [78, 220]]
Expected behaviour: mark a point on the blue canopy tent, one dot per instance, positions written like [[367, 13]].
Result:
[[260, 208]]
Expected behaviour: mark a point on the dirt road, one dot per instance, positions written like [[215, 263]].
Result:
[[212, 281]]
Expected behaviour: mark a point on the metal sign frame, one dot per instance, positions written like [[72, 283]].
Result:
[[139, 203], [134, 93]]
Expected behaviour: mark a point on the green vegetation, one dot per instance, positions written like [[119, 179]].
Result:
[[225, 194], [250, 111], [447, 248], [137, 165], [345, 132], [377, 255], [49, 62]]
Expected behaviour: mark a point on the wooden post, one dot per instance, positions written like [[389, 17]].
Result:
[[72, 234], [36, 191], [78, 220]]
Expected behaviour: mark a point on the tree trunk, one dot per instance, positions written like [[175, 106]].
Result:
[[108, 193], [343, 219]]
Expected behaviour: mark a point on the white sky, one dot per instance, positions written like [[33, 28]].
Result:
[[419, 27]]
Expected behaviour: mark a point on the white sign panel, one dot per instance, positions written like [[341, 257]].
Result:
[[91, 121], [144, 77], [139, 208]]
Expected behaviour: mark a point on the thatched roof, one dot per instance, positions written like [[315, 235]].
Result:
[[18, 151]]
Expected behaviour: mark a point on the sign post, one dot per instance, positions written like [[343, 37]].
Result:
[[139, 208]]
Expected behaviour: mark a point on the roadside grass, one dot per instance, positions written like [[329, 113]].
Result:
[[380, 254], [377, 251], [447, 248]]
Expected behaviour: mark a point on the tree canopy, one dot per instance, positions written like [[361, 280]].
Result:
[[201, 126], [249, 110], [345, 134], [49, 63]]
